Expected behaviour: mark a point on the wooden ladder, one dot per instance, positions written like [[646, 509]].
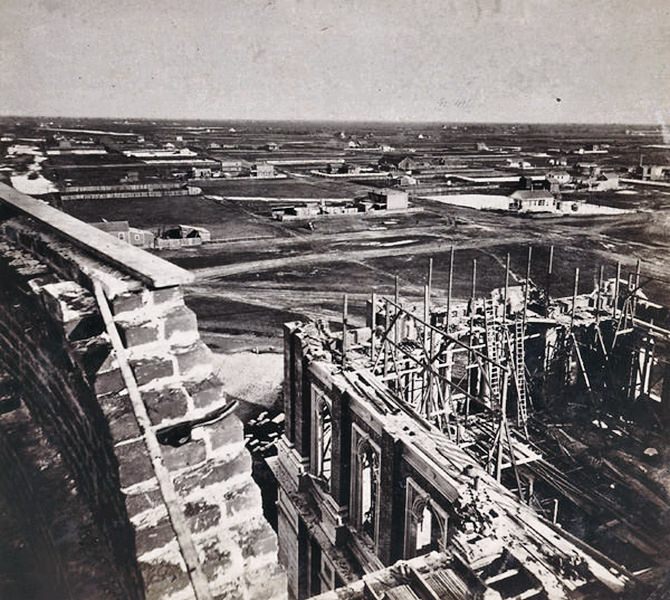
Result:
[[492, 349], [520, 373]]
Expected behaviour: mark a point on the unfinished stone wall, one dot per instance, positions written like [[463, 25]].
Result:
[[54, 344]]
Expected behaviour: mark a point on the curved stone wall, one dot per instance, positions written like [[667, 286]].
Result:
[[55, 345]]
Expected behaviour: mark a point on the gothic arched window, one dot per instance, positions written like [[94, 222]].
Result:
[[369, 473], [425, 523], [364, 504], [322, 447], [324, 443]]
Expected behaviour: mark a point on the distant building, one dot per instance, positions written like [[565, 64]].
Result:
[[655, 172], [398, 162], [589, 168], [285, 213], [234, 166], [128, 190], [263, 170], [533, 201], [604, 182], [122, 230], [342, 169], [592, 149], [202, 172], [389, 199], [518, 164], [182, 235], [559, 177]]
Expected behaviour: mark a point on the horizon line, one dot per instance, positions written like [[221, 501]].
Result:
[[328, 120]]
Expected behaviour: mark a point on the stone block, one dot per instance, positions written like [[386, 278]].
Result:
[[137, 503], [202, 516], [67, 301], [226, 431], [181, 457], [109, 382], [86, 327], [258, 540], [134, 463], [127, 302], [166, 403], [168, 294], [74, 308], [151, 368], [192, 357], [232, 590], [205, 392], [93, 355], [180, 320], [266, 583], [216, 556], [163, 579], [211, 474], [137, 334], [121, 420], [153, 537], [243, 498]]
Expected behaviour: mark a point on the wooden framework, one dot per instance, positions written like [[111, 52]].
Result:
[[461, 374]]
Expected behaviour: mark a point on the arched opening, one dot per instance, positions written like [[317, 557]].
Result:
[[324, 447], [368, 502], [426, 522], [429, 531]]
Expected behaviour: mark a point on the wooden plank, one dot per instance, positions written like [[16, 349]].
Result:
[[146, 267], [500, 576]]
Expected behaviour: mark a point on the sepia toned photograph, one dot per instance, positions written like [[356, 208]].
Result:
[[334, 300]]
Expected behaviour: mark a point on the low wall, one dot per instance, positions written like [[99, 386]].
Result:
[[56, 346]]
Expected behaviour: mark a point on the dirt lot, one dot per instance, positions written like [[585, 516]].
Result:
[[260, 273], [306, 275], [225, 220]]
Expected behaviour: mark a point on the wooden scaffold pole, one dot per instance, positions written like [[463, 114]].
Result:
[[507, 270], [470, 365], [527, 288], [345, 315], [451, 276], [373, 325], [615, 300]]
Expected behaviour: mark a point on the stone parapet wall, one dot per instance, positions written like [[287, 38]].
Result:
[[54, 343]]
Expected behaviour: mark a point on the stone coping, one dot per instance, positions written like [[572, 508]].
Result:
[[151, 270]]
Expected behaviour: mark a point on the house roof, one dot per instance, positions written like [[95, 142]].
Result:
[[387, 192], [194, 228], [396, 159], [608, 175], [112, 226], [531, 194]]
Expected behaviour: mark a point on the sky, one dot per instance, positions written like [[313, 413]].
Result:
[[592, 61]]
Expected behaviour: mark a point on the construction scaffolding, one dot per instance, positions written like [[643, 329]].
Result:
[[464, 369]]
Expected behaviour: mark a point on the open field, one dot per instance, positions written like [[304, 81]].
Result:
[[280, 188], [226, 220], [258, 272], [308, 275]]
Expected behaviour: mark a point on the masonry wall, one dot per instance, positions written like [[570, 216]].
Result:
[[54, 345]]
